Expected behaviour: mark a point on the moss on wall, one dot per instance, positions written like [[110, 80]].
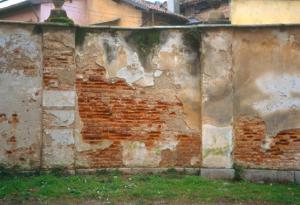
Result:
[[192, 37], [60, 19], [145, 41], [80, 36]]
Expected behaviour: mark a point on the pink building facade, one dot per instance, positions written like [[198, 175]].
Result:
[[24, 11]]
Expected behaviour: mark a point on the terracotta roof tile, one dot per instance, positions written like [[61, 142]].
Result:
[[149, 6]]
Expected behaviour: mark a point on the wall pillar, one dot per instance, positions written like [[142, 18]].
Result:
[[59, 97], [217, 99]]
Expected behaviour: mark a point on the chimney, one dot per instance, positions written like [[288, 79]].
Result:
[[173, 6]]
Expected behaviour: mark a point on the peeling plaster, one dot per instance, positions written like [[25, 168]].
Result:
[[136, 154], [280, 91], [21, 85]]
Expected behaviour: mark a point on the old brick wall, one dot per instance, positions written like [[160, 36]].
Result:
[[99, 98], [58, 97], [133, 114]]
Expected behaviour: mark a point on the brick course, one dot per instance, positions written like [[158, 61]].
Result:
[[249, 137], [118, 112]]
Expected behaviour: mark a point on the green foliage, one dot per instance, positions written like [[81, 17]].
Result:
[[192, 37], [61, 19], [16, 170], [145, 41], [171, 171], [80, 36], [144, 188], [59, 171], [8, 171], [238, 172], [37, 30]]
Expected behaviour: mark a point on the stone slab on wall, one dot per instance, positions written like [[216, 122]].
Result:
[[217, 173], [20, 101]]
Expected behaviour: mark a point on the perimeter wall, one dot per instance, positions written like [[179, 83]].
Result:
[[193, 97]]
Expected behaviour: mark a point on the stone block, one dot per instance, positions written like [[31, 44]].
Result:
[[192, 171], [60, 136], [55, 98], [257, 175], [59, 148], [58, 118], [217, 173], [86, 171]]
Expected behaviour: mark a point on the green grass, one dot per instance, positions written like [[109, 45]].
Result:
[[116, 187]]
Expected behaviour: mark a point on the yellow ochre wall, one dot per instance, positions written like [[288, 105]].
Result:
[[107, 10], [265, 12]]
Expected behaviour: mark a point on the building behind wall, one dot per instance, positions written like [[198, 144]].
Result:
[[129, 13], [265, 12], [201, 9]]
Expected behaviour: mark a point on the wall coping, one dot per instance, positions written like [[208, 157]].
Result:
[[200, 26]]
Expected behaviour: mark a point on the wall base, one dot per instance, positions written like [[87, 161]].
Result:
[[188, 171], [217, 173], [278, 176]]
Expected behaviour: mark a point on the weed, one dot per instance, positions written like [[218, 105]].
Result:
[[59, 171], [102, 172], [238, 172]]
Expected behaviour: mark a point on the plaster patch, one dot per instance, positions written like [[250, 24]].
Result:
[[168, 143], [217, 146], [131, 73], [281, 91], [147, 80], [136, 154], [220, 42], [157, 73], [195, 160]]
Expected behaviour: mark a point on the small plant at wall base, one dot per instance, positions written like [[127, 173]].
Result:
[[59, 171], [9, 171], [238, 172]]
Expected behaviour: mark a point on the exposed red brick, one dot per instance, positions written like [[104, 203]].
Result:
[[118, 112], [249, 138], [187, 148], [109, 157]]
